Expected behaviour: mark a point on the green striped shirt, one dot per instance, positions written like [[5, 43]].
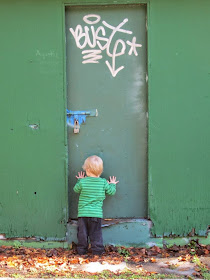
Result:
[[92, 192]]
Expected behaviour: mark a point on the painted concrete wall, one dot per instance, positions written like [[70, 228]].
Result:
[[33, 200], [179, 130], [33, 193]]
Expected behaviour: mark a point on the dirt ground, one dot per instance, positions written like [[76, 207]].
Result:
[[190, 261]]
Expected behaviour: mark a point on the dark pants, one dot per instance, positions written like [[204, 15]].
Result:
[[89, 227]]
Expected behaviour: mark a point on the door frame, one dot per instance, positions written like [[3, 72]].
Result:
[[148, 35]]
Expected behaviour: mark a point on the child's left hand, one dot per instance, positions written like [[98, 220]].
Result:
[[81, 175], [113, 180]]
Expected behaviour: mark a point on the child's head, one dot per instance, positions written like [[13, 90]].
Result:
[[93, 165]]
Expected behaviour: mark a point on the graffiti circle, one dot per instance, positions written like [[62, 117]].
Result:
[[86, 19]]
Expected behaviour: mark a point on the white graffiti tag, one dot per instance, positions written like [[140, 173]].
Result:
[[101, 43]]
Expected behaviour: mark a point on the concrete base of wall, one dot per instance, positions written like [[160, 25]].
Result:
[[118, 232], [30, 243], [133, 232]]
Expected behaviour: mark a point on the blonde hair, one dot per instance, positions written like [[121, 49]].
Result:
[[93, 164]]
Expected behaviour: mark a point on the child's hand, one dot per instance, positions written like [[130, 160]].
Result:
[[112, 180], [81, 175]]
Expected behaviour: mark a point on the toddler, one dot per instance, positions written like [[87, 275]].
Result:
[[92, 191]]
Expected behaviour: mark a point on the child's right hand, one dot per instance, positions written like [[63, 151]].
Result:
[[80, 175], [112, 180]]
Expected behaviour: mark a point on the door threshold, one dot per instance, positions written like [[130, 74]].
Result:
[[124, 232]]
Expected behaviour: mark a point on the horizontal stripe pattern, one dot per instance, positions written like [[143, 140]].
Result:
[[92, 192]]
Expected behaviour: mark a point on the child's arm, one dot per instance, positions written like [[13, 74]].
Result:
[[110, 187], [77, 188]]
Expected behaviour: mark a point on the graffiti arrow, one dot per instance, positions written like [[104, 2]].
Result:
[[112, 68], [114, 55]]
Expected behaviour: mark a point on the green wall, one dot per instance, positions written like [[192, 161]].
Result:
[[33, 193], [179, 114]]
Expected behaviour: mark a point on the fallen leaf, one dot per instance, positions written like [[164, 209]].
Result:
[[184, 268]]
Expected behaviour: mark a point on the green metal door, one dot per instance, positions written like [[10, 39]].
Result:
[[107, 72]]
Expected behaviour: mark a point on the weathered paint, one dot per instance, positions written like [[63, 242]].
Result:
[[142, 239], [127, 232], [34, 244], [119, 134], [179, 130], [33, 194], [33, 139], [133, 232]]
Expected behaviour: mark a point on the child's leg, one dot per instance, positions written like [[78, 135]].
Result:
[[82, 236], [95, 234]]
